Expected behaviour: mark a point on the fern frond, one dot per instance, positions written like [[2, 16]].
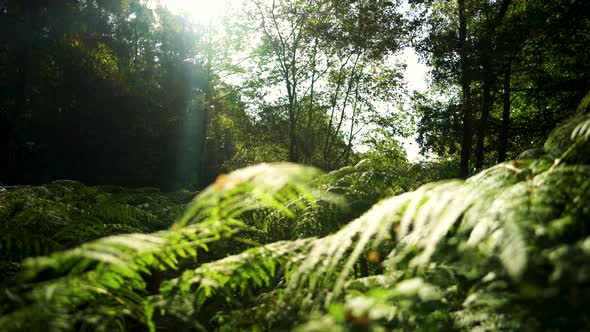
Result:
[[584, 104], [383, 308], [109, 276], [424, 218], [274, 186], [582, 130], [109, 270], [230, 277], [62, 214], [568, 142], [321, 268]]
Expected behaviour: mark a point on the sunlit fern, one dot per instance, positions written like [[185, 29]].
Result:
[[495, 251], [107, 277], [230, 278], [582, 130], [497, 215]]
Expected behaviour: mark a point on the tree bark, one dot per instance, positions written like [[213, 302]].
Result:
[[486, 107], [292, 96], [309, 143], [206, 117], [504, 130], [466, 90], [487, 49], [292, 130]]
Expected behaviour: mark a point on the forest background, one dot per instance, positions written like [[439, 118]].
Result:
[[129, 93]]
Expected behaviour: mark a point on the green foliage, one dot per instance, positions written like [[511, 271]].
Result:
[[507, 72], [483, 255], [109, 276], [60, 215], [111, 92], [121, 92], [495, 252]]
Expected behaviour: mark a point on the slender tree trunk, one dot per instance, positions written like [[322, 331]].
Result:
[[486, 106], [23, 96], [487, 48], [205, 118], [486, 102], [292, 132], [293, 107], [352, 120], [23, 114], [135, 44], [466, 90], [288, 64], [330, 140], [467, 137], [310, 138], [504, 130], [292, 96], [334, 103]]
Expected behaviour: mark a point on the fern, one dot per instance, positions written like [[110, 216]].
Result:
[[495, 252], [107, 277], [582, 130], [488, 219], [277, 187], [109, 270], [230, 278], [60, 215]]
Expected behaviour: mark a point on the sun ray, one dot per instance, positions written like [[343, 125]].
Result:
[[202, 11]]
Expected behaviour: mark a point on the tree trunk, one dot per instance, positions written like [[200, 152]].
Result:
[[22, 115], [466, 90], [504, 130], [292, 137], [310, 146], [486, 106], [206, 118], [293, 148], [292, 123], [488, 74]]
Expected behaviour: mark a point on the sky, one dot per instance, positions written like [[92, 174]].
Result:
[[416, 76], [205, 11], [201, 10]]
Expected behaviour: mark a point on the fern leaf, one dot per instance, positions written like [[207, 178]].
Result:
[[254, 268], [272, 186]]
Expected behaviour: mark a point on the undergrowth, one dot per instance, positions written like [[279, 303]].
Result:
[[283, 247], [39, 220]]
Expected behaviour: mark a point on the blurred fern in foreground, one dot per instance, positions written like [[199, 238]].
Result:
[[508, 249]]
